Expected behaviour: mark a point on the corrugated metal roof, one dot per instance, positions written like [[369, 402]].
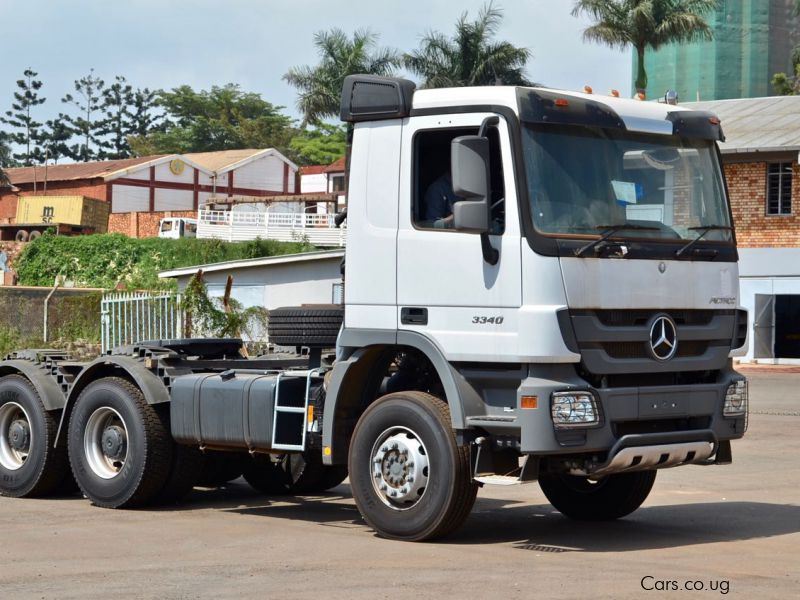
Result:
[[313, 169], [254, 262], [756, 124], [336, 166], [72, 172]]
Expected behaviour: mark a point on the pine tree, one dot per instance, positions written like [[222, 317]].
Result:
[[144, 118], [20, 117], [87, 125], [115, 127], [56, 136]]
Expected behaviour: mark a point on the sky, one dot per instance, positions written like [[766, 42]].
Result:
[[165, 43]]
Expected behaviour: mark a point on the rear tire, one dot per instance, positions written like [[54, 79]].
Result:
[[410, 479], [34, 235], [29, 465], [219, 468], [21, 236], [119, 447], [609, 498], [185, 471]]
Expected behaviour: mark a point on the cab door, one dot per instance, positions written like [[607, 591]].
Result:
[[445, 288]]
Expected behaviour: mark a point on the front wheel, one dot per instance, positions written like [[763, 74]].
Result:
[[611, 497], [409, 478]]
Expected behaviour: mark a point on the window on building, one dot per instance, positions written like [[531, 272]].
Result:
[[779, 188], [338, 183], [434, 198]]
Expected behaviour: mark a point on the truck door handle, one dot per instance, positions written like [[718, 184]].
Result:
[[410, 315]]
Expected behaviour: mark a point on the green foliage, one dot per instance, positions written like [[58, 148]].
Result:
[[320, 87], [20, 118], [645, 23], [470, 57], [321, 145], [225, 118], [208, 317], [105, 260], [88, 100], [785, 85]]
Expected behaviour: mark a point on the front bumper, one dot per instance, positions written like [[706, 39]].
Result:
[[654, 415]]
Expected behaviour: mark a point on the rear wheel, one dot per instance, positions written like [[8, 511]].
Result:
[[29, 464], [611, 497], [219, 468], [409, 478], [119, 446]]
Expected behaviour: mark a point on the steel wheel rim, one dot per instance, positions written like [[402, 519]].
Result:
[[399, 468], [105, 442], [16, 436]]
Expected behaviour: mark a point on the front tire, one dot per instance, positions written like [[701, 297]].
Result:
[[609, 498], [119, 447], [409, 478], [29, 465]]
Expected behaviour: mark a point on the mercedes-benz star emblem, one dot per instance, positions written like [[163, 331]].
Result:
[[662, 267], [663, 338]]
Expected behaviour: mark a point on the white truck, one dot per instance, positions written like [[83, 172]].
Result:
[[572, 322]]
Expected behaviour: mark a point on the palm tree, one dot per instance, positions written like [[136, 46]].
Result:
[[645, 23], [470, 57], [320, 87]]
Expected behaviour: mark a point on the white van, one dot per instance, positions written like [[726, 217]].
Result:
[[177, 227]]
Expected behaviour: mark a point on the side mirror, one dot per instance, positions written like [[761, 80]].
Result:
[[469, 164]]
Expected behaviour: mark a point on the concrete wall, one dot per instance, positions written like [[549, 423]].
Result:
[[288, 284], [71, 313]]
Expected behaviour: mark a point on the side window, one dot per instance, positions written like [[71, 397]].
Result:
[[433, 185]]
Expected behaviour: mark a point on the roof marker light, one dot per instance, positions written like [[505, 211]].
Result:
[[615, 93], [587, 89], [713, 120], [639, 96], [561, 102]]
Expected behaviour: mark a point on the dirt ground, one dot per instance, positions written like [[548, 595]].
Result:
[[703, 532]]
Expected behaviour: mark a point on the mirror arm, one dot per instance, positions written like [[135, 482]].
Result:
[[492, 121], [490, 254]]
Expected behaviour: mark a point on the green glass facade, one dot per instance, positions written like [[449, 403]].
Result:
[[753, 40]]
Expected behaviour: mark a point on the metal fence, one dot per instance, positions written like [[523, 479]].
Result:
[[236, 226], [131, 317]]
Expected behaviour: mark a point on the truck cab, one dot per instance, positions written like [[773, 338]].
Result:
[[177, 227]]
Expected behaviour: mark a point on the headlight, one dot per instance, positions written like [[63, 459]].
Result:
[[736, 399], [574, 409]]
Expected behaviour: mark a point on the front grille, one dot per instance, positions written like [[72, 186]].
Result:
[[628, 350], [629, 318], [617, 341]]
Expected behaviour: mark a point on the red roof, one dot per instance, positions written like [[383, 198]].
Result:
[[335, 167], [313, 169], [72, 172]]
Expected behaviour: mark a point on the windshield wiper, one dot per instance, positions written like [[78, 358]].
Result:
[[610, 230], [703, 229]]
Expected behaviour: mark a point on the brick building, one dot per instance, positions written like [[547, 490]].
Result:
[[144, 190], [760, 157]]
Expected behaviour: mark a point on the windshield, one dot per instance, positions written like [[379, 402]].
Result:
[[582, 181]]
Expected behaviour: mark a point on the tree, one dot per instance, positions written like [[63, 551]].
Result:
[[6, 159], [320, 87], [143, 115], [223, 118], [89, 103], [26, 98], [56, 136], [786, 85], [319, 146], [116, 126], [471, 56], [645, 24]]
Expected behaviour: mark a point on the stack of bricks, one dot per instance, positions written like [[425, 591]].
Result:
[[747, 186]]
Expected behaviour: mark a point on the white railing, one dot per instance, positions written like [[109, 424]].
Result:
[[132, 317], [233, 226]]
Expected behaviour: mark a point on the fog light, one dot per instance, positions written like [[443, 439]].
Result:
[[736, 399], [574, 409]]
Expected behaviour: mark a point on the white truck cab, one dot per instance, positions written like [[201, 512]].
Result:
[[539, 285]]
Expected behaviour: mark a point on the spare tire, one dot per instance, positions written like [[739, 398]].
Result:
[[313, 326]]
